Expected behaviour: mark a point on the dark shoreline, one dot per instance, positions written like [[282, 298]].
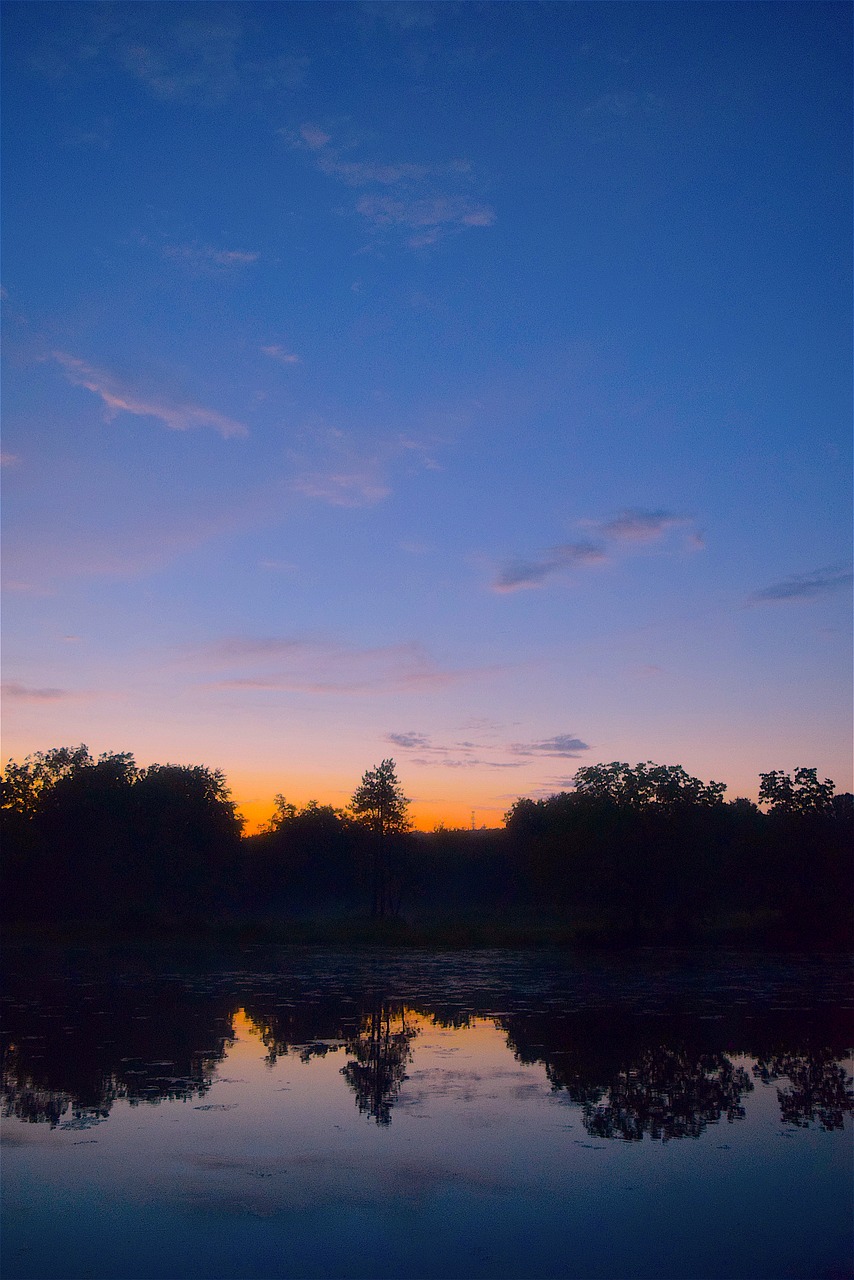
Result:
[[766, 937]]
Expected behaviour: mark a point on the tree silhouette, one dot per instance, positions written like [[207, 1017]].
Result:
[[379, 804], [665, 785], [805, 795], [188, 827]]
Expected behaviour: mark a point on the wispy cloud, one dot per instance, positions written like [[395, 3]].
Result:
[[637, 525], [118, 398], [24, 693], [532, 573], [9, 459], [360, 488], [320, 666], [336, 467], [364, 173], [176, 53], [805, 586], [564, 745], [632, 527], [280, 354], [196, 58], [205, 257], [426, 201], [468, 754], [408, 741], [427, 216], [312, 136]]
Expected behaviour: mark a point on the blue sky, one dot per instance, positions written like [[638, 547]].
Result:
[[464, 383]]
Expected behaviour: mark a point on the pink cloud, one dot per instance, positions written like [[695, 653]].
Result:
[[636, 525], [120, 399]]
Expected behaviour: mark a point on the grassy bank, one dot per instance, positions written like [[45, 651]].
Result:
[[764, 930]]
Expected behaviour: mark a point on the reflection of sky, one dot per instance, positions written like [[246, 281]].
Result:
[[428, 381], [274, 1172]]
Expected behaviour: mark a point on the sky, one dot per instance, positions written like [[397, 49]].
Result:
[[468, 384]]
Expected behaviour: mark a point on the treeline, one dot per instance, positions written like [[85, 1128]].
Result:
[[651, 852], [642, 853], [87, 839]]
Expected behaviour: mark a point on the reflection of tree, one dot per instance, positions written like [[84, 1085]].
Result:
[[75, 1042], [671, 1077], [381, 1051], [73, 1048], [632, 1077], [309, 1028], [669, 1093], [819, 1088]]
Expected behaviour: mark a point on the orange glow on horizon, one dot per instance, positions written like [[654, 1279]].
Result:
[[425, 816]]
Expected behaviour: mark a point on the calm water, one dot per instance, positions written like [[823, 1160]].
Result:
[[311, 1114]]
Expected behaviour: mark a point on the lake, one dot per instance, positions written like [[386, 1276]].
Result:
[[276, 1112]]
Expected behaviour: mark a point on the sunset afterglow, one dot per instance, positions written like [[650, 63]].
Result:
[[463, 385]]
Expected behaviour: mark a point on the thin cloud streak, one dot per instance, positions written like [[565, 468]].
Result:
[[198, 61], [120, 399], [563, 745], [521, 575], [24, 693], [428, 215], [419, 741], [805, 586], [318, 666], [636, 525], [461, 755], [424, 199], [342, 488], [205, 256], [633, 526], [384, 685], [338, 469]]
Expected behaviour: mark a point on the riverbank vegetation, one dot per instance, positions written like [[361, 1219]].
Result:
[[632, 854]]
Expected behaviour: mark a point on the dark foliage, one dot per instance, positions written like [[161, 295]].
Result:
[[634, 853], [103, 840], [379, 805], [651, 853], [307, 858]]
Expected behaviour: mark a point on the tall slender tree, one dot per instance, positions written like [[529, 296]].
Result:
[[379, 804]]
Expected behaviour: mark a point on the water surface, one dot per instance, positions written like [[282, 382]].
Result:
[[277, 1113]]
